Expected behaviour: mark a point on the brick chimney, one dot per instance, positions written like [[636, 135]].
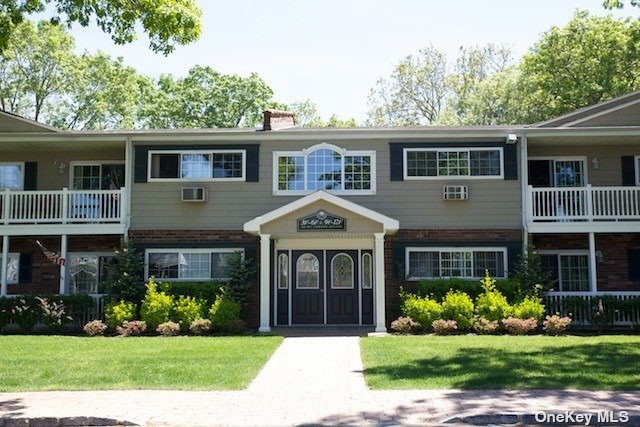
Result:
[[277, 119]]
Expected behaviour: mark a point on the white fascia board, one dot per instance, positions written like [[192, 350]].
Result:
[[390, 225]]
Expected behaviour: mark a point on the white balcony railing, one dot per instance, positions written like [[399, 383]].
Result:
[[62, 207], [569, 204]]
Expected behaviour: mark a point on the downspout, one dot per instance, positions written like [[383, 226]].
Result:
[[128, 184], [524, 179]]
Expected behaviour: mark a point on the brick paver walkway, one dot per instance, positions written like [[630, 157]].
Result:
[[307, 381]]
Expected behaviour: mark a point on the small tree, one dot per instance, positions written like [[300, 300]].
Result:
[[242, 274], [126, 281], [529, 272]]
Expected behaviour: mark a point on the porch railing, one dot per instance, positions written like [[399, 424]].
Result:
[[568, 204], [619, 308], [62, 207]]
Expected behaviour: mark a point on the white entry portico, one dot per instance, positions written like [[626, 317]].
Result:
[[326, 231]]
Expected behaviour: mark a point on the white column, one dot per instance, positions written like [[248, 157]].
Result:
[[378, 252], [5, 263], [63, 269], [265, 282], [593, 273]]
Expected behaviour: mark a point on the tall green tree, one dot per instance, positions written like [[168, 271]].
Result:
[[34, 68], [306, 115], [591, 59], [414, 93], [206, 98], [166, 22]]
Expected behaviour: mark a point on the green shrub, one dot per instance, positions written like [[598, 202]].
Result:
[[223, 310], [204, 291], [491, 304], [422, 310], [458, 306], [53, 313], [186, 310], [126, 280], [116, 313], [242, 276], [438, 288], [156, 306], [234, 327], [24, 313], [530, 307]]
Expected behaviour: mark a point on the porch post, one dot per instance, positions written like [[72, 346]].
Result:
[[265, 282], [128, 184], [3, 267], [381, 324], [593, 274], [63, 268]]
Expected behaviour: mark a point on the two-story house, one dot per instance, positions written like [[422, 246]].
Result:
[[337, 219]]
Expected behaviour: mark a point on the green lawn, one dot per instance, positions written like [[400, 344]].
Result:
[[78, 363], [502, 362]]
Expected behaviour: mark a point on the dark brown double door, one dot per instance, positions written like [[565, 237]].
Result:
[[322, 277]]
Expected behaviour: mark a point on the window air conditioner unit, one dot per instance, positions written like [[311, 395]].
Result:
[[455, 192], [194, 194]]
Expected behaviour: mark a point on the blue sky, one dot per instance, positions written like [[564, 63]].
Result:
[[333, 51]]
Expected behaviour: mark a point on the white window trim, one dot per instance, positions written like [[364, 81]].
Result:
[[554, 159], [100, 163], [566, 252], [209, 251], [211, 179], [352, 271], [21, 164], [306, 151], [405, 171], [12, 255], [455, 249], [636, 162], [87, 254]]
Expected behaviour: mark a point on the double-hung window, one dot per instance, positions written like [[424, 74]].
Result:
[[568, 270], [324, 167], [197, 165], [431, 163], [189, 264], [13, 268], [429, 263], [11, 176]]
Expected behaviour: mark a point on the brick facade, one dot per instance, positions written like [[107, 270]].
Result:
[[472, 237], [612, 268], [207, 239], [45, 276]]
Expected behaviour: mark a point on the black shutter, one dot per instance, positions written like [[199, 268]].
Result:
[[633, 263], [253, 160], [24, 271], [140, 164], [514, 253], [398, 261], [628, 170], [30, 176], [510, 162], [397, 168]]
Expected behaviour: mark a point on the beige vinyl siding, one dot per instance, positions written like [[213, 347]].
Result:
[[493, 203], [609, 157], [628, 116], [49, 177]]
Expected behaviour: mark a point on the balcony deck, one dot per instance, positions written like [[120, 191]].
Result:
[[583, 209], [63, 211]]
